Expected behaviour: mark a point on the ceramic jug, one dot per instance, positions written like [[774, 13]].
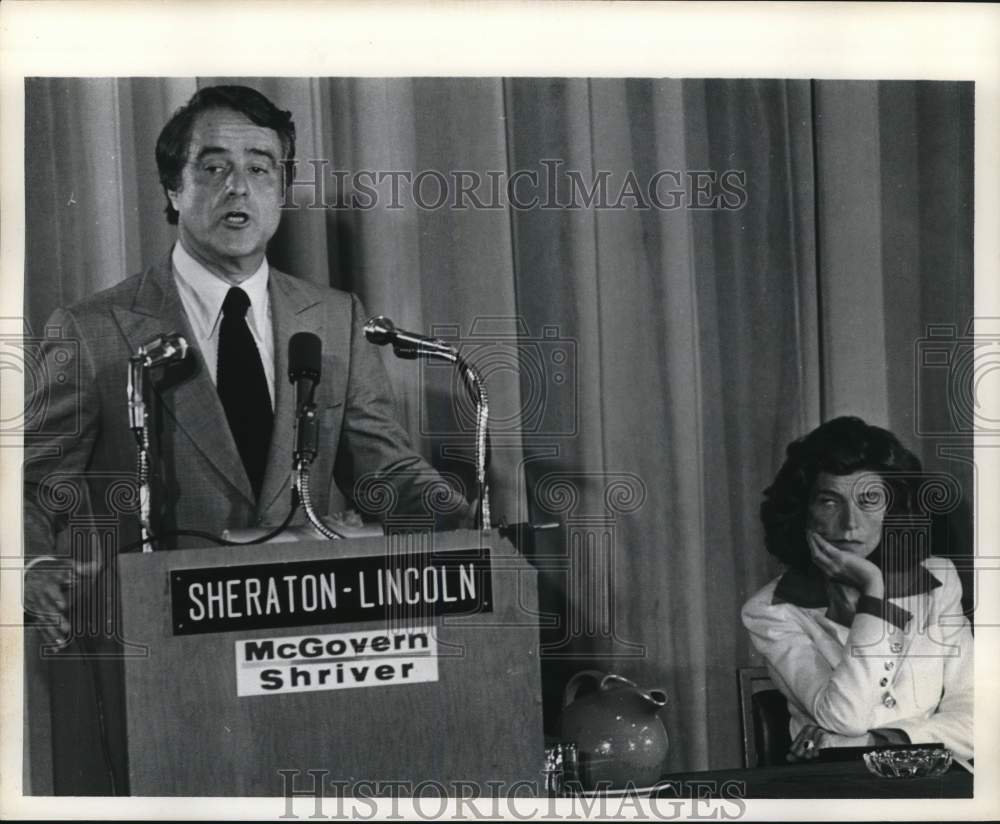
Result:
[[616, 728]]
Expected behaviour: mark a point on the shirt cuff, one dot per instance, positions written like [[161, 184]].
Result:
[[886, 610]]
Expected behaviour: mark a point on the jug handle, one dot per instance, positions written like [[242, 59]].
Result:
[[602, 681], [574, 683], [611, 680]]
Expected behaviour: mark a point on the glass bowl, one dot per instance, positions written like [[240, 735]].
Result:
[[919, 762]]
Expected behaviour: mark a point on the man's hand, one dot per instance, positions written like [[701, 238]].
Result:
[[349, 524], [46, 598], [845, 567], [468, 519]]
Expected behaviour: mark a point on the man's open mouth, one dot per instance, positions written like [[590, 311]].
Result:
[[236, 219]]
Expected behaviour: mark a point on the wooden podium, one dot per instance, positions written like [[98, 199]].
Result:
[[401, 658]]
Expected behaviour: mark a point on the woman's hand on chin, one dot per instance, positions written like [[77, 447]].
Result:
[[845, 567]]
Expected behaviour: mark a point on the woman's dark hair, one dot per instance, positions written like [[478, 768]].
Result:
[[175, 138], [839, 447]]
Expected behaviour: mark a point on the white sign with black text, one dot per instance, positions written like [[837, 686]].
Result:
[[304, 663]]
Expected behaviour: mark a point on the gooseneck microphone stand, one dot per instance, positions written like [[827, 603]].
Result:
[[304, 371], [409, 345], [160, 350], [477, 388], [304, 363], [302, 485]]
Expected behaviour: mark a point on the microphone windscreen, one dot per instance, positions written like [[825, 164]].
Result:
[[379, 330], [305, 356], [164, 349]]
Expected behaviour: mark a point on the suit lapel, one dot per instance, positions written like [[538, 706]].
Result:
[[187, 391], [292, 310]]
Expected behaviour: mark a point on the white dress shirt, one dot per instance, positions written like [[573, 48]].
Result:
[[202, 295]]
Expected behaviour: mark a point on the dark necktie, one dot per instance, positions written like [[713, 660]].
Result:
[[242, 388]]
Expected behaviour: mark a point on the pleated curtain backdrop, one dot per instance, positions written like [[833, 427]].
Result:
[[646, 366]]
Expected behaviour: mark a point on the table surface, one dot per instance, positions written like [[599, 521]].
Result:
[[837, 779]]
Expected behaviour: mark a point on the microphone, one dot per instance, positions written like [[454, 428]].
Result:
[[304, 365], [380, 331], [163, 349]]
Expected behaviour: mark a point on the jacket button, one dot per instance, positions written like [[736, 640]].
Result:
[[896, 647], [889, 701], [883, 682], [889, 665]]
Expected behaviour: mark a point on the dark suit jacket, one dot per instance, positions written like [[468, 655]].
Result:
[[87, 458]]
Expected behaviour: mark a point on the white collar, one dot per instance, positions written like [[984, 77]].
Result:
[[208, 291]]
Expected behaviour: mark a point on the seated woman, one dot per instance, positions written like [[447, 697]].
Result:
[[864, 633]]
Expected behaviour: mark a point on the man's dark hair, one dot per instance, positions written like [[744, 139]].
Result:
[[842, 446], [175, 138]]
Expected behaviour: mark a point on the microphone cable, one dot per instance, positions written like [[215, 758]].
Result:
[[215, 539]]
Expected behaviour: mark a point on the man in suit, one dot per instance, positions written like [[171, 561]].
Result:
[[223, 423]]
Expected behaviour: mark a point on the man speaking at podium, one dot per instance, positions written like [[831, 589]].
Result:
[[223, 433]]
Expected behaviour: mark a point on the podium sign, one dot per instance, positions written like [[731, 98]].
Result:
[[404, 658]]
